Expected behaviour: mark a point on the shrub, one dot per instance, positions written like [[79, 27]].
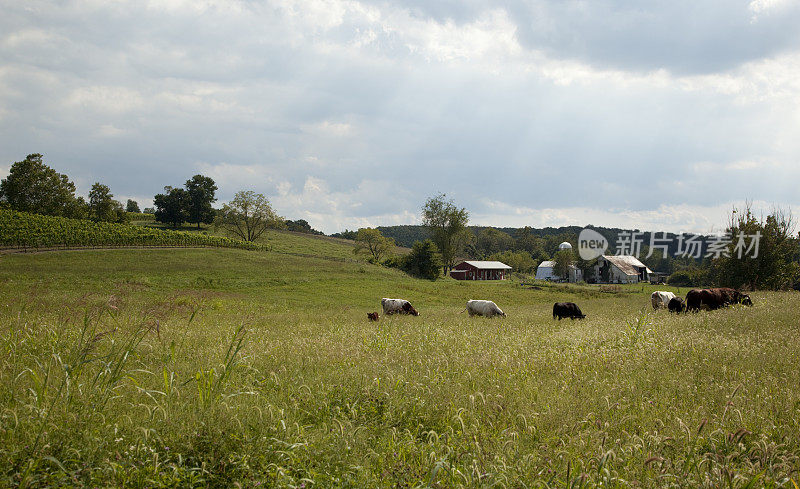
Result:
[[424, 261], [689, 277]]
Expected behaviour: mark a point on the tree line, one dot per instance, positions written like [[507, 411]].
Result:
[[34, 187], [445, 237]]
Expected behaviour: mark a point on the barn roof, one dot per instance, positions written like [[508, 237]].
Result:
[[551, 264], [627, 264], [487, 265]]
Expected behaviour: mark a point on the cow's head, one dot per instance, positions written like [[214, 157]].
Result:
[[409, 309], [746, 300]]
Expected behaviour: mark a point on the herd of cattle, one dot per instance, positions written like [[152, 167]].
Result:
[[696, 299], [474, 308]]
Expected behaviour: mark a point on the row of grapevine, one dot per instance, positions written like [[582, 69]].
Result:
[[23, 230]]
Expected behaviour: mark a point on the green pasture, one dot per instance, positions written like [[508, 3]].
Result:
[[232, 368]]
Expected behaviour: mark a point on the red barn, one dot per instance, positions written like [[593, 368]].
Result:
[[480, 270]]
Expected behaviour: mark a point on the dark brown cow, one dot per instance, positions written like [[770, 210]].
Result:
[[676, 304], [716, 298], [567, 310], [409, 309], [373, 316], [733, 296]]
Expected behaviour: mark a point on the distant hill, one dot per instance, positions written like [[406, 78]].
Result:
[[551, 237], [406, 235]]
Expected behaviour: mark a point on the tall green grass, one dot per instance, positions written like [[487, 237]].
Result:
[[124, 368]]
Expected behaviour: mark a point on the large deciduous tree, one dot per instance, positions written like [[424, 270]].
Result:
[[447, 224], [32, 186], [762, 254], [248, 215], [171, 206], [132, 206], [490, 241], [563, 259], [200, 192], [372, 242], [103, 207]]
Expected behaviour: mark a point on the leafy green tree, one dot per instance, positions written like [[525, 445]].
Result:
[[563, 259], [491, 240], [103, 207], [347, 234], [424, 261], [200, 192], [447, 225], [132, 206], [31, 186], [301, 226], [774, 266], [371, 241], [171, 206], [520, 261], [248, 216]]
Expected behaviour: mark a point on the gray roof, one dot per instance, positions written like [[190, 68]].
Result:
[[628, 264], [550, 264], [487, 265]]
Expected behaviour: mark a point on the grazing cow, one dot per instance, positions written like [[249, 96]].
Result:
[[711, 299], [373, 316], [484, 308], [661, 298], [733, 296], [399, 306], [567, 310], [676, 304]]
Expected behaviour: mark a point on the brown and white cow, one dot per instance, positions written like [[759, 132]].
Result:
[[661, 298], [397, 306]]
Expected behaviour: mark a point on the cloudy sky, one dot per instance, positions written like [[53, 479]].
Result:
[[349, 113]]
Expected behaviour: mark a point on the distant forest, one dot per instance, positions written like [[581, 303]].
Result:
[[408, 234], [542, 243]]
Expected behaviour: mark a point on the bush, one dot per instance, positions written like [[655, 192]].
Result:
[[394, 261], [690, 277], [424, 261]]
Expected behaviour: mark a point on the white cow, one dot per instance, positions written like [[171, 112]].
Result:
[[661, 298], [401, 306], [484, 308]]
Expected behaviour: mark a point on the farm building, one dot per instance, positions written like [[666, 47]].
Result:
[[480, 270], [545, 272], [621, 269]]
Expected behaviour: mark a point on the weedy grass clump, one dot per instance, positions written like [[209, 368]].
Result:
[[121, 368]]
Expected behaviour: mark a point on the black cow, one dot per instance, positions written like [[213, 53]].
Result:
[[567, 310], [676, 304], [716, 298]]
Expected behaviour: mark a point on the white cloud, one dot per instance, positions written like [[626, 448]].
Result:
[[761, 6], [681, 218], [352, 113]]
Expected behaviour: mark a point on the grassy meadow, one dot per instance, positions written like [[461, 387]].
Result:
[[232, 368]]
